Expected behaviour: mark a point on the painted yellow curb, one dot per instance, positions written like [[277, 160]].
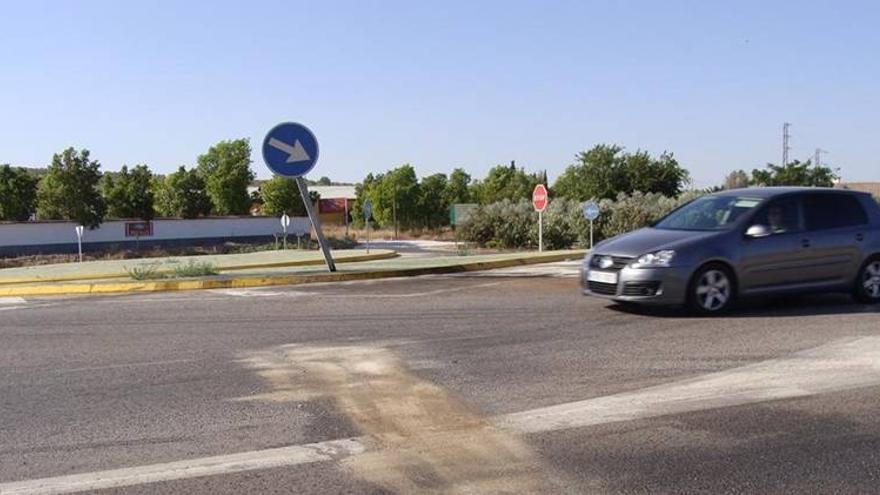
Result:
[[339, 257], [268, 280]]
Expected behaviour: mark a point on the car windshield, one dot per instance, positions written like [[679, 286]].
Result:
[[708, 213]]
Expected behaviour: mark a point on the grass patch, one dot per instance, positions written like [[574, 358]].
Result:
[[195, 269], [154, 271], [148, 271]]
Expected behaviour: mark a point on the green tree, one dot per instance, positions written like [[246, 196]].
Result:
[[605, 171], [325, 181], [18, 193], [507, 182], [736, 180], [397, 196], [795, 173], [129, 194], [182, 194], [226, 170], [433, 207], [363, 191], [69, 191], [457, 190], [281, 195]]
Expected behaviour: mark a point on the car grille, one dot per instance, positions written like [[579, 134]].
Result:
[[618, 262], [602, 288], [640, 288]]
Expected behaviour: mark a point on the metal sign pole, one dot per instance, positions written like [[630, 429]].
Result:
[[79, 241], [540, 231], [368, 237], [591, 234], [346, 216], [316, 222]]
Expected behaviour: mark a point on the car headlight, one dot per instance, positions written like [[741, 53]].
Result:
[[659, 258]]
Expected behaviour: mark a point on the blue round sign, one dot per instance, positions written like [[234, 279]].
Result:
[[591, 210], [290, 150]]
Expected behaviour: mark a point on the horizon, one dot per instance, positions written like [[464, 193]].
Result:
[[473, 86]]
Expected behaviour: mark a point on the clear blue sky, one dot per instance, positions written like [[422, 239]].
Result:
[[444, 84]]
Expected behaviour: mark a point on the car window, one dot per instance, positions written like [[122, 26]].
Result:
[[708, 213], [780, 216], [831, 211]]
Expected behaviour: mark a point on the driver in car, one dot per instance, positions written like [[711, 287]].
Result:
[[776, 220]]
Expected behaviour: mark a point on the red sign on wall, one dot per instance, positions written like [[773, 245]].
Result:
[[332, 205], [138, 229]]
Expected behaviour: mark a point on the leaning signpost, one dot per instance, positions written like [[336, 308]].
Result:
[[291, 150], [539, 201], [591, 212]]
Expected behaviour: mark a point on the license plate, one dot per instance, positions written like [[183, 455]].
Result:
[[604, 277]]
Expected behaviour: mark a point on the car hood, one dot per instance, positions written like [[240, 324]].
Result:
[[647, 240]]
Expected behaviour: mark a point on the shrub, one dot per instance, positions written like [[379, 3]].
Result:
[[631, 212], [195, 269], [506, 224], [148, 271]]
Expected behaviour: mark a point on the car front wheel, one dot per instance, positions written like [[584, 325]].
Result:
[[712, 290], [867, 289]]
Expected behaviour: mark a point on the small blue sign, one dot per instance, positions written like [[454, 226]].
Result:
[[290, 150], [591, 210], [368, 209]]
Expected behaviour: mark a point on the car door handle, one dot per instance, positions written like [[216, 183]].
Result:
[[805, 243], [860, 237]]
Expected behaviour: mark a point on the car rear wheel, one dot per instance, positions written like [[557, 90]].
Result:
[[712, 290], [867, 289]]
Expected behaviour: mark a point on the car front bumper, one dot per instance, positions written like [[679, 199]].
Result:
[[662, 285]]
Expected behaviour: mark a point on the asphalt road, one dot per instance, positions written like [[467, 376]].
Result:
[[495, 382]]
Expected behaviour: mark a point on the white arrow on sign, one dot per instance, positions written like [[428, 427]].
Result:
[[296, 153]]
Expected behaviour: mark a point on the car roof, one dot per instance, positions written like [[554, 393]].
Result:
[[769, 192]]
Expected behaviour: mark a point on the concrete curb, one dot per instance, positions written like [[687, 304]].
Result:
[[339, 257], [269, 280]]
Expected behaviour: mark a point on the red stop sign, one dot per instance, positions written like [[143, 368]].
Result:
[[539, 197]]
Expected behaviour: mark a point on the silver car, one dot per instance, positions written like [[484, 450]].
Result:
[[744, 242]]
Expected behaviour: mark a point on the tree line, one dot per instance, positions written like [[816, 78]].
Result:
[[398, 197], [73, 187]]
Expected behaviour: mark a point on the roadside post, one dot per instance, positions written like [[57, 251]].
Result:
[[591, 212], [368, 212], [285, 222], [291, 150], [79, 241], [539, 201]]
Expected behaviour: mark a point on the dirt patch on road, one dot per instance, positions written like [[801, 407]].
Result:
[[426, 440]]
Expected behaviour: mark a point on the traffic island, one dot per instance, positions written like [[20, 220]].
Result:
[[262, 277], [160, 267]]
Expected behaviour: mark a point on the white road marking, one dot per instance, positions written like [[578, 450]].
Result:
[[126, 365], [563, 269], [192, 468], [412, 294], [840, 365], [254, 293], [12, 300]]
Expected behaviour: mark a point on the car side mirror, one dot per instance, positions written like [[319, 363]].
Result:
[[757, 231]]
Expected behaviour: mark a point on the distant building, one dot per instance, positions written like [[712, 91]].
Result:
[[868, 187], [334, 203]]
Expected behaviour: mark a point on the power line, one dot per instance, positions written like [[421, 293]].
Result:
[[817, 157], [785, 139]]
